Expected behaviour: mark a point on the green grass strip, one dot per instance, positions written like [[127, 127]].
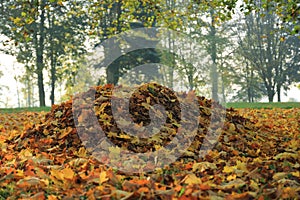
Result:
[[259, 105], [32, 109]]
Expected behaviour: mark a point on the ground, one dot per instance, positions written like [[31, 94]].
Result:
[[260, 163]]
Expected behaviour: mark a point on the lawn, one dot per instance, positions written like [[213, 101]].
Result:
[[28, 109], [258, 105]]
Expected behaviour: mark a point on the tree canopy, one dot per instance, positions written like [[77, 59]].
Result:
[[51, 37]]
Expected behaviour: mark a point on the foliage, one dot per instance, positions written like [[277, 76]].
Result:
[[288, 11], [43, 35], [51, 34], [257, 159], [269, 53]]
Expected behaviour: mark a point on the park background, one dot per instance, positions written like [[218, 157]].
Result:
[[252, 47]]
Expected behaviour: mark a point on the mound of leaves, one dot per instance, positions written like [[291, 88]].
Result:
[[256, 157], [57, 132]]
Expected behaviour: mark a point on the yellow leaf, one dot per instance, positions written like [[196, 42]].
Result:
[[231, 177], [60, 3], [241, 166], [258, 160], [124, 136], [57, 174], [156, 147], [81, 152], [254, 185], [19, 173], [297, 174], [294, 144], [17, 20], [103, 177], [228, 169], [231, 127], [192, 179], [279, 175], [25, 153], [286, 155], [68, 173]]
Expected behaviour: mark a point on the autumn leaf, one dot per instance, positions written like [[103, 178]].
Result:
[[102, 177], [202, 166], [192, 179], [68, 173], [229, 169]]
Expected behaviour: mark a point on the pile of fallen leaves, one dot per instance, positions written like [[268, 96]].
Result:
[[254, 157]]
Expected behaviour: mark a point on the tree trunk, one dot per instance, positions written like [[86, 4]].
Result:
[[112, 71], [271, 95], [53, 80], [112, 74], [52, 64], [278, 93], [213, 53], [39, 55]]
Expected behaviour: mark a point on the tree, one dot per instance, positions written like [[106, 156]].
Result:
[[115, 17], [63, 22], [37, 27], [271, 52], [287, 11]]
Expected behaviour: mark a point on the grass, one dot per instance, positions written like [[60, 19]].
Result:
[[32, 109], [259, 105]]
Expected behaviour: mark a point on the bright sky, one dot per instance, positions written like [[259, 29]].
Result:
[[10, 68], [9, 86]]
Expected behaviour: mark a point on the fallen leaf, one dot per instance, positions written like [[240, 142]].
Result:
[[103, 177]]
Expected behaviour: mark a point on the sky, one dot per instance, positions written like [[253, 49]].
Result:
[[9, 86]]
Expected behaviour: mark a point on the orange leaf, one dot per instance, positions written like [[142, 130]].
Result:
[[143, 190], [204, 187], [52, 197]]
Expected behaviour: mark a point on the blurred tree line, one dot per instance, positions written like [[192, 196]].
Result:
[[251, 47]]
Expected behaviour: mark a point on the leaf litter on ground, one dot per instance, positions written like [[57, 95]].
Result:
[[256, 156]]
